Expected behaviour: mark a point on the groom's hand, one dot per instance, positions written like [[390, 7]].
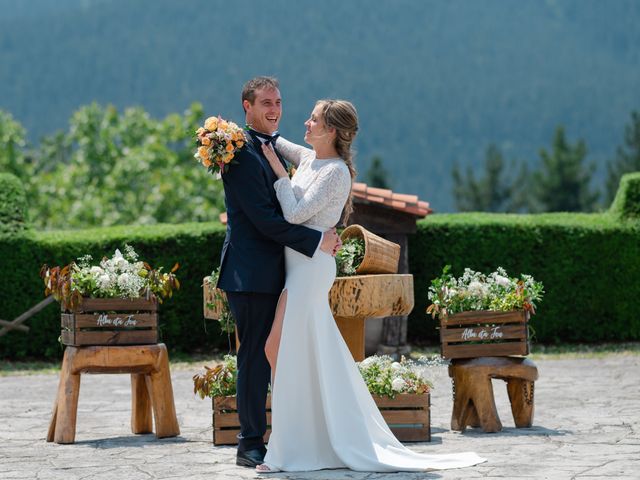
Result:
[[331, 242]]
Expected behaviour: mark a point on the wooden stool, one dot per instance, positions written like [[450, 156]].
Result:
[[474, 404], [150, 388]]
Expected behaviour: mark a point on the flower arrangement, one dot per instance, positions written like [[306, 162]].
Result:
[[476, 291], [218, 141], [382, 375], [121, 276], [350, 256], [227, 322], [386, 377], [219, 381]]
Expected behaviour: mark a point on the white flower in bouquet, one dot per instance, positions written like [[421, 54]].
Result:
[[105, 281], [398, 384], [478, 289]]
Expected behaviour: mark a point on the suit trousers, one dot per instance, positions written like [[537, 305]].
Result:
[[253, 313]]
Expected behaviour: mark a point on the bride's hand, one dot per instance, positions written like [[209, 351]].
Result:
[[274, 161]]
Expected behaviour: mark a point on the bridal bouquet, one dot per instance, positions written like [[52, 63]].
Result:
[[476, 291], [121, 276], [218, 141]]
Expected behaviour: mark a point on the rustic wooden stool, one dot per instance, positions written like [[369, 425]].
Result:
[[474, 404], [150, 387]]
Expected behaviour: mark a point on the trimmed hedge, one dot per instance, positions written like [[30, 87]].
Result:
[[626, 205], [182, 326], [589, 264], [13, 205]]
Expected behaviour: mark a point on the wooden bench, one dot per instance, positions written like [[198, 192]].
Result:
[[151, 388], [474, 404]]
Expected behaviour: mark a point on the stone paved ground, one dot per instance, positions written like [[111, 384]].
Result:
[[587, 425]]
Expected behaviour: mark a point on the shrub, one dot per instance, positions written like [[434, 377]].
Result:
[[182, 326], [588, 263], [13, 205]]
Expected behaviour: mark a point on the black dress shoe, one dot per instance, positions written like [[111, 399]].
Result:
[[250, 458]]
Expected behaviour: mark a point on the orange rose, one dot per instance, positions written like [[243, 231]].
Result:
[[201, 131], [203, 153], [239, 144], [206, 141], [222, 124], [227, 158], [207, 163], [229, 147], [211, 123]]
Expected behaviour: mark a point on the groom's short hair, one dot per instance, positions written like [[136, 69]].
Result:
[[249, 89]]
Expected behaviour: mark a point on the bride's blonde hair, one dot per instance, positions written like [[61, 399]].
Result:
[[342, 115]]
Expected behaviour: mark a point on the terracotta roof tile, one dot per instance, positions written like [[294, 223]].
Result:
[[397, 201]]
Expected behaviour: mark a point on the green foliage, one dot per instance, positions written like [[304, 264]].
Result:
[[497, 191], [377, 176], [219, 381], [627, 157], [588, 263], [627, 202], [12, 144], [195, 246], [13, 205], [350, 256], [226, 320], [562, 182], [114, 169]]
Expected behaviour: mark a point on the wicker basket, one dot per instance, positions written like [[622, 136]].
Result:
[[380, 255]]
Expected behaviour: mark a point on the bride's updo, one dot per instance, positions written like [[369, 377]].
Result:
[[342, 115]]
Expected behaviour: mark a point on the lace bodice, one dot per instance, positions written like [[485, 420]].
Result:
[[317, 192]]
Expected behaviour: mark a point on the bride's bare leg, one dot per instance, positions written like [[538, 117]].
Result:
[[273, 341]]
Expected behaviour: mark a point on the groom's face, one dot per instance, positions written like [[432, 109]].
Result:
[[265, 112]]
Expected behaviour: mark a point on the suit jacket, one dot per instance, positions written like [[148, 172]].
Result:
[[252, 257]]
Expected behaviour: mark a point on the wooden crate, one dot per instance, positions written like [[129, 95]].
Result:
[[111, 321], [407, 415], [226, 425], [484, 334]]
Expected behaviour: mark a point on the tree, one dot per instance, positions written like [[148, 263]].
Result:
[[112, 168], [12, 147], [495, 192], [377, 176], [562, 184], [627, 157]]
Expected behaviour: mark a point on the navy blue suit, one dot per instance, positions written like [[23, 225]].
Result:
[[252, 274]]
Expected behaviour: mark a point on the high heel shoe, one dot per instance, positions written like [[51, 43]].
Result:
[[266, 468]]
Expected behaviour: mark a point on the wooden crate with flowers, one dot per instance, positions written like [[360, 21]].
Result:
[[483, 315], [113, 303], [399, 389]]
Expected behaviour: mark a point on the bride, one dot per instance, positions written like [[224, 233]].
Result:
[[322, 413]]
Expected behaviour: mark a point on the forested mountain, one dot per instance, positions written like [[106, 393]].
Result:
[[435, 82]]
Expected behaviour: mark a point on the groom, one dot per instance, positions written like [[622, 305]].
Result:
[[252, 263]]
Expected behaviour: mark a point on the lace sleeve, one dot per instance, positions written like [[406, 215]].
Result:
[[331, 184], [292, 152]]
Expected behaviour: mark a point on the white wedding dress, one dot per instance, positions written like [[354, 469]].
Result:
[[322, 413]]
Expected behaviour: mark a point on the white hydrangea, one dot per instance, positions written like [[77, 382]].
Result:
[[398, 384]]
